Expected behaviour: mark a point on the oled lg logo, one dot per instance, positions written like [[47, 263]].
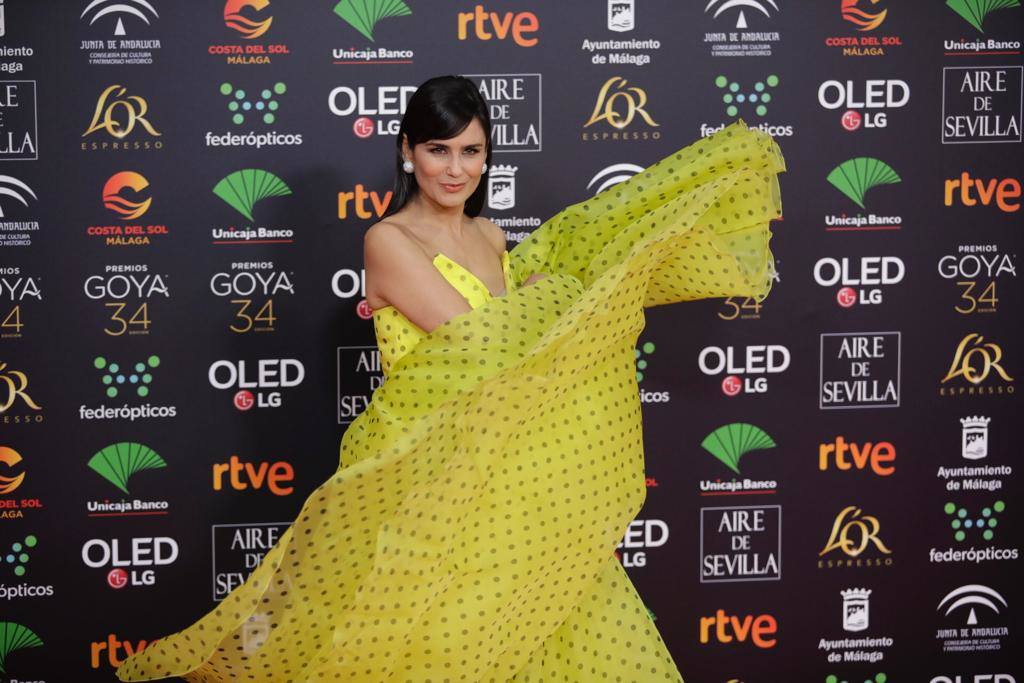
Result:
[[738, 363], [860, 280], [865, 104], [378, 109], [257, 386], [131, 562]]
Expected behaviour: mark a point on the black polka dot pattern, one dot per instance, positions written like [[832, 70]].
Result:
[[469, 533]]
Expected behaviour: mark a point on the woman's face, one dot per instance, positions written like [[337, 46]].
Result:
[[448, 171]]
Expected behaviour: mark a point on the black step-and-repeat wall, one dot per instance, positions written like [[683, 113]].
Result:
[[184, 187]]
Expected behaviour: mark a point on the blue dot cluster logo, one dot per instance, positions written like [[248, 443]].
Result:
[[759, 97], [963, 523], [116, 379], [240, 104]]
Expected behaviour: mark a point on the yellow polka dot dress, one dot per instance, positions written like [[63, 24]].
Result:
[[469, 532]]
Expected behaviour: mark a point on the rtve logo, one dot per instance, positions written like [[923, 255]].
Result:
[[975, 190], [357, 199], [848, 455], [487, 25], [242, 476], [113, 651], [726, 629]]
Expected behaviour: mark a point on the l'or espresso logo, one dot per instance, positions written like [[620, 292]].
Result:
[[236, 475], [126, 291], [641, 535], [118, 464], [973, 618], [742, 40], [728, 444], [133, 562], [841, 455], [746, 369], [17, 232], [16, 403], [238, 549], [248, 21], [518, 27], [854, 178], [855, 541], [860, 280], [866, 104], [862, 18], [741, 543], [128, 197], [242, 191], [363, 18], [19, 125], [252, 287], [760, 630], [621, 106], [859, 370], [977, 370], [514, 103], [982, 104], [1002, 193], [359, 375], [121, 121], [620, 17], [16, 288], [976, 14], [976, 269], [129, 21], [258, 383], [378, 109], [15, 500]]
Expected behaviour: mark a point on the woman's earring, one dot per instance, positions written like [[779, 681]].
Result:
[[407, 166], [483, 169]]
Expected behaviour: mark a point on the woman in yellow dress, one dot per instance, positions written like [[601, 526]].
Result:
[[469, 532]]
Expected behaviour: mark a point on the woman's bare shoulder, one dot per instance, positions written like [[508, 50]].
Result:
[[495, 234]]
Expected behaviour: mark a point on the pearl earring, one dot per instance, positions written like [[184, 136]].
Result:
[[483, 169], [407, 166]]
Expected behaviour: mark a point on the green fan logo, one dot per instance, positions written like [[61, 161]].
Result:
[[856, 176], [15, 637], [731, 442], [242, 189], [975, 11], [363, 15], [118, 462]]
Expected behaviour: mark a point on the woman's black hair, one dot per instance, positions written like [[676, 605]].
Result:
[[440, 109]]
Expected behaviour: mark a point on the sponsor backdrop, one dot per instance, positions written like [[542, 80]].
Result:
[[183, 194]]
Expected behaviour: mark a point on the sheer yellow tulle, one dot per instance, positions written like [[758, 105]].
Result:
[[468, 534]]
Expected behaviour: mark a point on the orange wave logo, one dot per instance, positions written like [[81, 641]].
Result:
[[247, 27], [10, 457], [864, 21], [112, 199]]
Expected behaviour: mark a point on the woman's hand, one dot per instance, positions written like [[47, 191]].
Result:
[[533, 278]]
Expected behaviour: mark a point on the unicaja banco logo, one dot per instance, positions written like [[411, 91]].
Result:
[[118, 462], [248, 28], [363, 15], [15, 637], [856, 176], [242, 189], [731, 442], [758, 97], [974, 12]]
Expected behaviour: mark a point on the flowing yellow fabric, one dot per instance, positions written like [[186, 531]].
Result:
[[469, 533]]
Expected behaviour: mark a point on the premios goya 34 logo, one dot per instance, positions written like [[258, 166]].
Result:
[[121, 122], [976, 270], [242, 190], [16, 288], [14, 637], [729, 443], [252, 287], [118, 464], [855, 541], [854, 178], [126, 290], [250, 21], [979, 364]]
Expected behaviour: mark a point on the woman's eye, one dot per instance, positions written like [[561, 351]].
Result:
[[472, 151], [438, 149]]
